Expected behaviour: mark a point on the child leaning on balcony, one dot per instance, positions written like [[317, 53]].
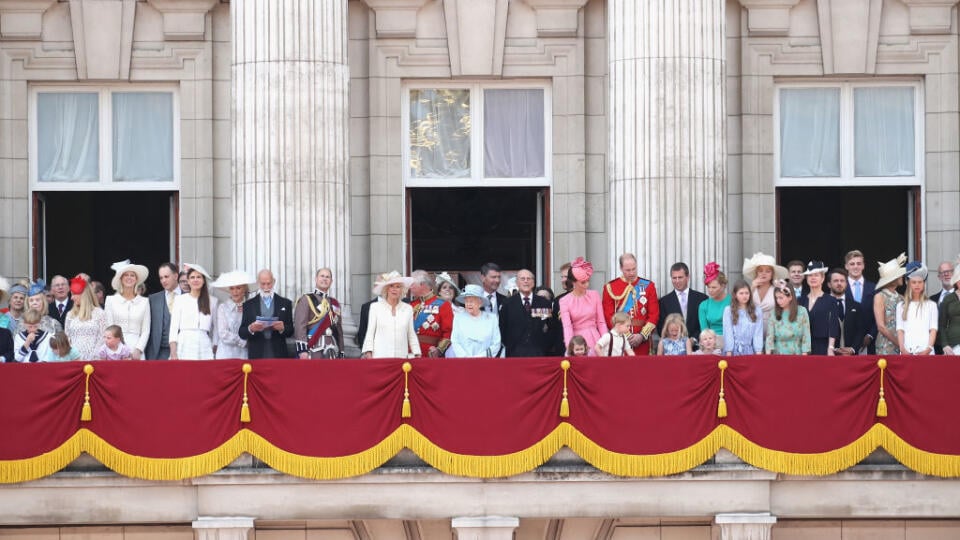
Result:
[[113, 347], [708, 343], [674, 341], [60, 349]]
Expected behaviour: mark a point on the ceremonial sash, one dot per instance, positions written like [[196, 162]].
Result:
[[321, 320], [422, 314]]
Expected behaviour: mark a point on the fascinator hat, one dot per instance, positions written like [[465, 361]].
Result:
[[581, 269], [891, 270]]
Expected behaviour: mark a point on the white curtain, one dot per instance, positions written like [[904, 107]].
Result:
[[142, 136], [883, 131], [440, 133], [513, 133], [68, 137], [809, 132]]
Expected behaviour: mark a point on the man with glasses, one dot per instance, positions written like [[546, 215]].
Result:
[[944, 272]]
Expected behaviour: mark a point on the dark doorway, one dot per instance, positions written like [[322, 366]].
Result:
[[826, 223], [459, 229], [88, 231]]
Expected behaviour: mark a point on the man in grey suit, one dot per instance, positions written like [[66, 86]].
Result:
[[158, 344]]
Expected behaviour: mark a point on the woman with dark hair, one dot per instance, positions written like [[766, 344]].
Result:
[[822, 309], [788, 330], [742, 323], [193, 319], [581, 311], [711, 310], [885, 303]]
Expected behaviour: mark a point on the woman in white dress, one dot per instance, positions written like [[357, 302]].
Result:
[[86, 322], [229, 314], [127, 309], [917, 316], [390, 332], [760, 271], [194, 319]]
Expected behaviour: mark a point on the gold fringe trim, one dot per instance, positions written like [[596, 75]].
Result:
[[814, 464]]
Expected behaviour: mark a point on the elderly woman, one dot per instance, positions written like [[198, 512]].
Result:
[[581, 310], [822, 310], [18, 302], [229, 314], [390, 332], [760, 271], [193, 319], [885, 304], [916, 316], [85, 322], [710, 311], [128, 310], [476, 331], [37, 299], [949, 317]]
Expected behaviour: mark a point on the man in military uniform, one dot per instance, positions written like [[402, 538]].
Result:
[[317, 328], [432, 316], [636, 297]]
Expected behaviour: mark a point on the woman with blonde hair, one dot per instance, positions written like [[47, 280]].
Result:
[[390, 332], [916, 316], [127, 309], [85, 322], [885, 302], [37, 299]]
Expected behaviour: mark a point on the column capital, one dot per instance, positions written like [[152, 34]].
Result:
[[396, 18], [22, 19], [745, 526], [930, 16], [183, 19], [485, 527], [222, 528], [768, 17]]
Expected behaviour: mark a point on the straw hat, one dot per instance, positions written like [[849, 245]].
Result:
[[474, 291], [891, 270], [761, 259], [390, 279], [121, 267], [187, 267], [234, 278]]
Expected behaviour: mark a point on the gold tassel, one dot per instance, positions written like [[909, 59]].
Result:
[[245, 408], [722, 405], [882, 404], [564, 403], [405, 410], [86, 413]]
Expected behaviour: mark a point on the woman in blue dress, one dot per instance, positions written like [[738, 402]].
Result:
[[742, 323]]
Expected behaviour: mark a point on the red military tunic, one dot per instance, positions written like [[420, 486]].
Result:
[[644, 311], [433, 321]]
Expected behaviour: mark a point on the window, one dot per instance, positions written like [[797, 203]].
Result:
[[445, 147], [104, 137], [848, 134]]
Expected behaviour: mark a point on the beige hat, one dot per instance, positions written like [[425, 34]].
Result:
[[891, 270], [187, 267], [956, 273], [121, 267], [234, 278], [761, 259], [389, 279]]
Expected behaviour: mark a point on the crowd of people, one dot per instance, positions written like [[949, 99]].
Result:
[[796, 309]]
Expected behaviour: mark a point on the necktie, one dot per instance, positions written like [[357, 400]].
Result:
[[857, 291], [843, 308], [170, 298], [490, 298], [526, 304], [267, 301], [60, 309], [683, 303]]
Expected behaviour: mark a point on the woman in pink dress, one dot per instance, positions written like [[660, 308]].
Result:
[[581, 311]]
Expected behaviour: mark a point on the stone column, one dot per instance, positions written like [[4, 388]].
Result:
[[222, 528], [666, 130], [485, 527], [745, 526], [290, 81]]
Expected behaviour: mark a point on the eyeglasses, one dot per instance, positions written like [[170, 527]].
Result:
[[945, 273]]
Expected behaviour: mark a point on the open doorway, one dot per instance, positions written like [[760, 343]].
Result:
[[88, 231], [459, 229], [825, 223]]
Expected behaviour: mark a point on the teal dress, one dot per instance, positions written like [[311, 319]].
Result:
[[711, 314], [785, 337]]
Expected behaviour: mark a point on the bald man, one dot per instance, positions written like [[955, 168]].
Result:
[[267, 320]]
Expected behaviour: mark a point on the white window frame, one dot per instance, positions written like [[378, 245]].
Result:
[[476, 178], [847, 144], [106, 181]]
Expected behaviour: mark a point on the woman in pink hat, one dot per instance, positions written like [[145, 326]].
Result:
[[581, 311]]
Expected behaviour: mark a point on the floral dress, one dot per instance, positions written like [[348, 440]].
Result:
[[674, 347], [86, 336], [890, 301], [785, 337]]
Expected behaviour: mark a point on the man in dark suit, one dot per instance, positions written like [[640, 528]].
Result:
[[944, 272], [62, 303], [526, 320], [267, 340], [158, 344], [861, 291], [851, 314], [682, 300], [364, 321], [490, 280]]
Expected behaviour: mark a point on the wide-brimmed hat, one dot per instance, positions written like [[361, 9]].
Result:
[[474, 291], [187, 267], [916, 269], [759, 259], [4, 285], [444, 277], [233, 278], [119, 268], [391, 278], [815, 267], [891, 270]]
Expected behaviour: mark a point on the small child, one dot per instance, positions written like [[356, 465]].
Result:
[[674, 341], [31, 344], [577, 346], [60, 349], [614, 342], [113, 347], [708, 342]]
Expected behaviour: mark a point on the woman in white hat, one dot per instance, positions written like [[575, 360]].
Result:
[[127, 309], [916, 316], [229, 314], [760, 271], [822, 310], [390, 332], [476, 331], [949, 319], [193, 319], [885, 304]]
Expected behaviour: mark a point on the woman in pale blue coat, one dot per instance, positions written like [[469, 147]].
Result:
[[475, 332]]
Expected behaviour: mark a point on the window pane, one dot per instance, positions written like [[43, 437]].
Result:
[[513, 134], [883, 131], [440, 133], [809, 132], [68, 137], [142, 136]]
